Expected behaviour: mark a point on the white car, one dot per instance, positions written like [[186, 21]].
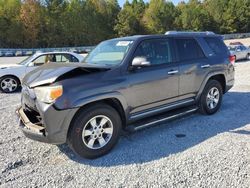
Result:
[[11, 74], [240, 52]]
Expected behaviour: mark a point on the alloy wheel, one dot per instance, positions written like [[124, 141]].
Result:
[[213, 98], [97, 132], [9, 84]]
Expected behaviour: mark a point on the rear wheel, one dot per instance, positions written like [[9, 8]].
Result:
[[211, 98], [9, 84], [95, 131]]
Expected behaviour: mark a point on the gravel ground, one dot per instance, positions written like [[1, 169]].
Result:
[[214, 151]]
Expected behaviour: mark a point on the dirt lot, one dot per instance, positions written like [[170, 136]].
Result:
[[214, 152]]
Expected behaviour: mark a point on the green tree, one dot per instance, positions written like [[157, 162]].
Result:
[[129, 20], [11, 30], [216, 9], [159, 16], [236, 17], [31, 18], [193, 16], [54, 23], [74, 27]]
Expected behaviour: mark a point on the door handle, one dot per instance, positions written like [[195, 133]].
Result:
[[172, 72], [205, 66]]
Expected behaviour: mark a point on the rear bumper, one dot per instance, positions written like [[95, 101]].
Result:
[[53, 127], [229, 85]]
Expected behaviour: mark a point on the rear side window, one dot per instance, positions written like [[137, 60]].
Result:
[[216, 45], [188, 49]]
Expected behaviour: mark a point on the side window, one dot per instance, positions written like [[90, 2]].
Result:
[[216, 45], [58, 58], [188, 49], [40, 60], [74, 59], [66, 58], [243, 48], [50, 58], [156, 51]]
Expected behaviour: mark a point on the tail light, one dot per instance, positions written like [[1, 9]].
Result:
[[232, 59]]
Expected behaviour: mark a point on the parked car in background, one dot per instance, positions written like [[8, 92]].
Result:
[[28, 53], [240, 52], [11, 74], [19, 53], [125, 83], [9, 54], [1, 54], [235, 43]]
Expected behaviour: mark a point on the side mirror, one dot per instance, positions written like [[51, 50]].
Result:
[[37, 64], [140, 62], [31, 64]]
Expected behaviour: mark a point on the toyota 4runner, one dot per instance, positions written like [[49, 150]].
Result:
[[125, 84]]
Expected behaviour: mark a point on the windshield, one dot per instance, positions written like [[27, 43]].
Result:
[[109, 52], [26, 60]]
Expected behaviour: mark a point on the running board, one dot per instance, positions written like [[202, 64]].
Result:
[[161, 118]]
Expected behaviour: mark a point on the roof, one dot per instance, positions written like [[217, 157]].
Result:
[[169, 34], [80, 57], [189, 33], [55, 52]]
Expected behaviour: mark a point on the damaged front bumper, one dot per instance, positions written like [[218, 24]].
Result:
[[50, 126]]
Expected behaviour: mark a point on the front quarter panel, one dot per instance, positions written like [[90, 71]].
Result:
[[19, 72], [86, 89]]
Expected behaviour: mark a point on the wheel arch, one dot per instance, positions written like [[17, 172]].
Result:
[[219, 76], [111, 101], [11, 75]]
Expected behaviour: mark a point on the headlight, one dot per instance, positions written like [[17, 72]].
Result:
[[48, 94]]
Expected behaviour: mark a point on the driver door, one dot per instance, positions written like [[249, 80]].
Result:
[[39, 61], [156, 84]]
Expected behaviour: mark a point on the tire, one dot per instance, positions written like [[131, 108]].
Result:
[[207, 102], [9, 84], [82, 132]]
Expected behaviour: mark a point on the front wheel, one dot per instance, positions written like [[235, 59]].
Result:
[[95, 131], [211, 98], [9, 84]]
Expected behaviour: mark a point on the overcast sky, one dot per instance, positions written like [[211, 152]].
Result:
[[121, 2]]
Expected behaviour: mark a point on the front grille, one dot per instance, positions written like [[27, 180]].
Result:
[[33, 116]]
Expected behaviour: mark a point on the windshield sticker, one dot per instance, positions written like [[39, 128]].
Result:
[[124, 43]]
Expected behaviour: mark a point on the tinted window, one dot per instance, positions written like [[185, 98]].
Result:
[[188, 49], [74, 59], [216, 45], [155, 51], [243, 48]]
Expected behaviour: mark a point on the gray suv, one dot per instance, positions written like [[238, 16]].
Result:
[[125, 84]]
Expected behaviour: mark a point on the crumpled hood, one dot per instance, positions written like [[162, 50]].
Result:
[[48, 74], [9, 65]]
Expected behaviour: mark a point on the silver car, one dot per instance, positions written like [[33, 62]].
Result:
[[11, 74], [240, 52]]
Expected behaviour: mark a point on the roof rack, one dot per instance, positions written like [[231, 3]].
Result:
[[190, 32]]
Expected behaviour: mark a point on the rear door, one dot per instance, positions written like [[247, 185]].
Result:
[[193, 66], [156, 84]]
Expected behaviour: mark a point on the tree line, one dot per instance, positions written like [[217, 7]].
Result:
[[59, 23]]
